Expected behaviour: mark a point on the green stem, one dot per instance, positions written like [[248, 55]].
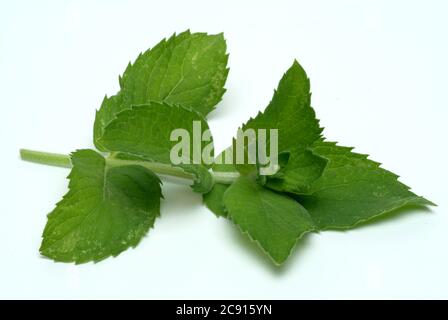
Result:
[[225, 177], [51, 159], [63, 160], [160, 168]]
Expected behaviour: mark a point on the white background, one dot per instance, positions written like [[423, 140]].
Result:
[[378, 71]]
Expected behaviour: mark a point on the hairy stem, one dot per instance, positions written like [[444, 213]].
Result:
[[63, 160]]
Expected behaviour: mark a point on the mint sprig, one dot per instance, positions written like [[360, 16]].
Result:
[[114, 199]]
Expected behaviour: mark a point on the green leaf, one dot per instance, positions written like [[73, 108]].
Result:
[[220, 163], [273, 220], [105, 211], [291, 113], [302, 168], [188, 69], [353, 189], [110, 107], [145, 131], [214, 199]]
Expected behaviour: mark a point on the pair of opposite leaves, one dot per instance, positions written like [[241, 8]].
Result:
[[109, 208]]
